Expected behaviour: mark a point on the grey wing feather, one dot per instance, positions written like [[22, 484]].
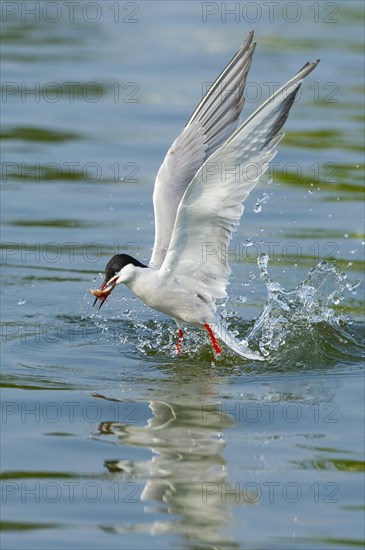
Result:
[[212, 122], [211, 207]]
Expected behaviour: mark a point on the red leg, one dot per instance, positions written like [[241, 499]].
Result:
[[179, 338], [216, 347]]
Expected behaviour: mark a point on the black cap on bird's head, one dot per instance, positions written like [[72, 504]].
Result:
[[117, 262], [112, 269]]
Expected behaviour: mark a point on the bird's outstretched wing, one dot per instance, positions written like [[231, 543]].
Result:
[[215, 118], [212, 205]]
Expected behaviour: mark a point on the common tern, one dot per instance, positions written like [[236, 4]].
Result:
[[199, 191]]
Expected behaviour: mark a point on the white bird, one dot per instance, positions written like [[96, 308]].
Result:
[[205, 177]]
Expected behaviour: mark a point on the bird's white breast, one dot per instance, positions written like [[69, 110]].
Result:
[[164, 293]]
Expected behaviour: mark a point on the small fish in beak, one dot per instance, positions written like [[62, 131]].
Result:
[[103, 292]]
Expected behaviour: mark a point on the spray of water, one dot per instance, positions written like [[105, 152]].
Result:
[[303, 321], [296, 315]]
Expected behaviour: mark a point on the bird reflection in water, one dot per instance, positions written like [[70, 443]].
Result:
[[186, 477]]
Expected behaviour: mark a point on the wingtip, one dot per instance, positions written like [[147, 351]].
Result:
[[313, 63], [306, 69], [247, 42]]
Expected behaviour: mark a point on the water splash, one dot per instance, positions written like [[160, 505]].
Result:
[[292, 315], [302, 324]]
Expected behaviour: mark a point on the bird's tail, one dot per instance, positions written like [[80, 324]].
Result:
[[240, 347]]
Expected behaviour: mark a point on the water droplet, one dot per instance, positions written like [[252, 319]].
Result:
[[262, 200]]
